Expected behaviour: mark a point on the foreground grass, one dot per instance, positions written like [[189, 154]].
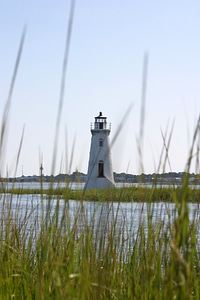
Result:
[[57, 256]]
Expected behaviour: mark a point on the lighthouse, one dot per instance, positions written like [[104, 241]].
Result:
[[100, 172]]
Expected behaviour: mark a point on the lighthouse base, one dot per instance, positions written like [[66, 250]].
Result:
[[99, 183]]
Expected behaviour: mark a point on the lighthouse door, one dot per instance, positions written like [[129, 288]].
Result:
[[101, 169]]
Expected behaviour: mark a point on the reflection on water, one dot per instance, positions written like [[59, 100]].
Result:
[[75, 185], [29, 210], [45, 185]]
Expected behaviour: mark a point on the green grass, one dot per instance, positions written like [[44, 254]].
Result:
[[125, 194], [66, 260]]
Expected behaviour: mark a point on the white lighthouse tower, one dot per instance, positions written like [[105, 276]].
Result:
[[100, 172]]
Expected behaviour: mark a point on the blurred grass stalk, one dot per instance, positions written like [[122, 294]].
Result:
[[5, 116]]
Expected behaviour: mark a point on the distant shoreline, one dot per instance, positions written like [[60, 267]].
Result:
[[78, 177]]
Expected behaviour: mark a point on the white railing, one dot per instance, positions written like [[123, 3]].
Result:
[[97, 126]]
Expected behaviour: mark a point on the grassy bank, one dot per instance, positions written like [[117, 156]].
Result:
[[125, 194]]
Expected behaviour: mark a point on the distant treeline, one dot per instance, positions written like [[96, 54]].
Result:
[[171, 177]]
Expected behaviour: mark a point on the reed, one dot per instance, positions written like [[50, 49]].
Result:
[[95, 255], [126, 194], [48, 251]]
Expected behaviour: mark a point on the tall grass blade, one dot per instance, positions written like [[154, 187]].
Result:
[[19, 151], [142, 112], [4, 123], [121, 124], [166, 145], [63, 79]]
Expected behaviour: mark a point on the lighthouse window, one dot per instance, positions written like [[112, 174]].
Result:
[[101, 169], [100, 143]]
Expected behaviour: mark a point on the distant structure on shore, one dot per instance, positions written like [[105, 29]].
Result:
[[100, 172]]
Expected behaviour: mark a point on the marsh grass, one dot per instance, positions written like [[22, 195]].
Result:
[[125, 194], [95, 255]]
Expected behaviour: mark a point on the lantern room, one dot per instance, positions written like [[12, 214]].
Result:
[[100, 123]]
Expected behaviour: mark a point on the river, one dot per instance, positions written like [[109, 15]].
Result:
[[77, 185], [29, 210]]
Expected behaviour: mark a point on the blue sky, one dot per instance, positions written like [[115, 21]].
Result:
[[104, 73]]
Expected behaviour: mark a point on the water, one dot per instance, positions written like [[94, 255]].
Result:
[[76, 185], [45, 185], [30, 210]]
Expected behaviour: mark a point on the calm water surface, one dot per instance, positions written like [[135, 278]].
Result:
[[31, 209], [75, 185]]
